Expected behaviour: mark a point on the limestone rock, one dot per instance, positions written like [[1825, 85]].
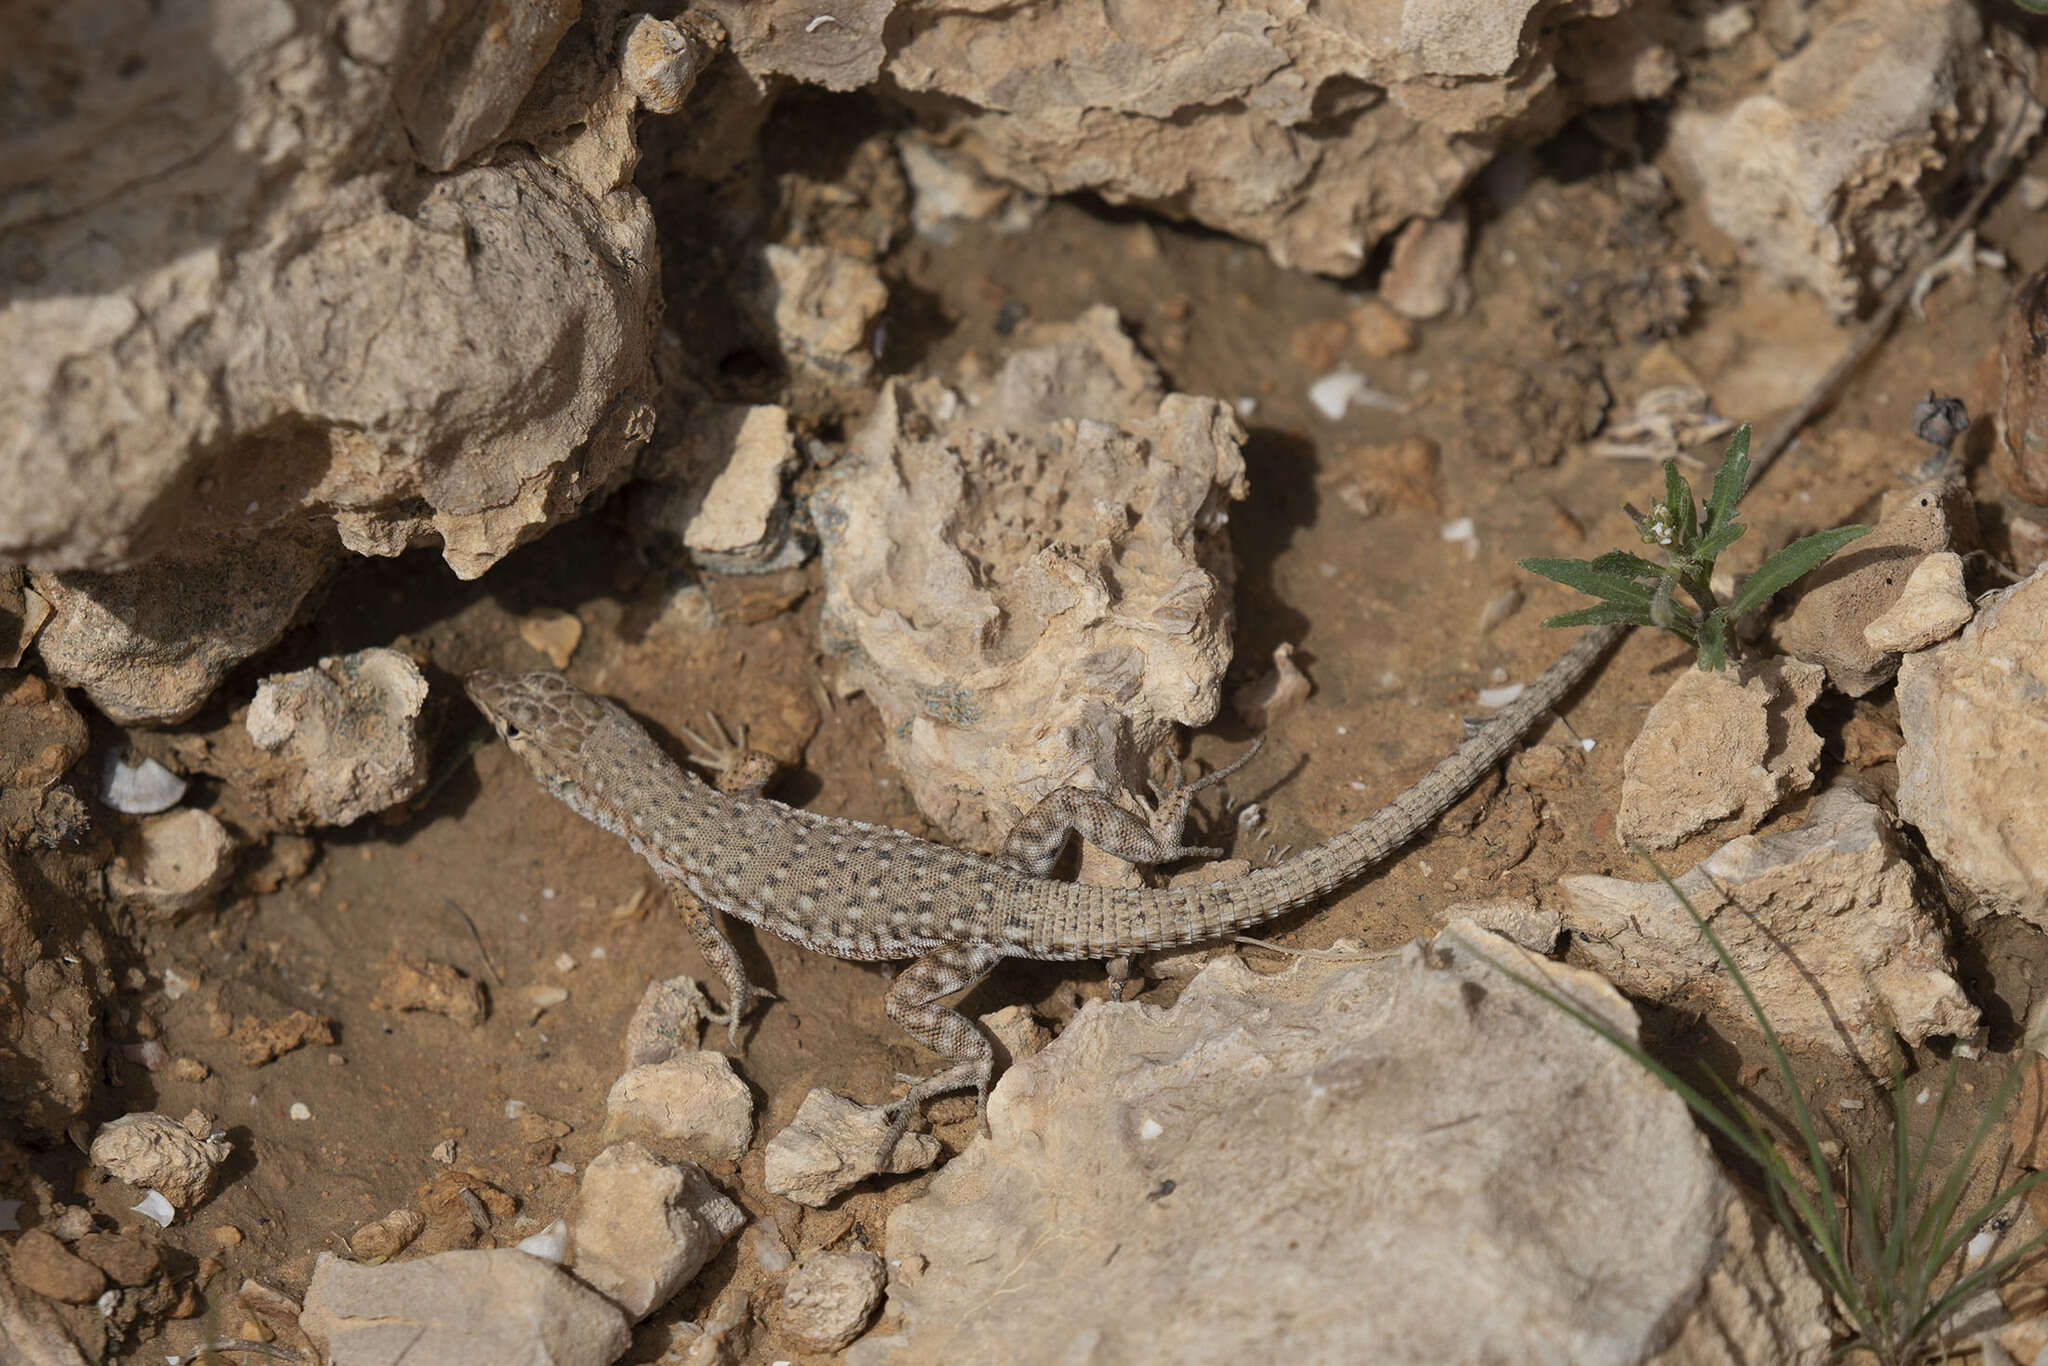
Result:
[[149, 646], [830, 1296], [31, 1331], [1311, 130], [1015, 1033], [414, 983], [1718, 752], [833, 1145], [382, 1239], [1822, 920], [1425, 276], [692, 1098], [722, 499], [821, 305], [1212, 1143], [1519, 921], [1974, 712], [641, 1228], [1831, 176], [205, 304], [949, 189], [41, 737], [466, 1308], [1835, 604], [1933, 607], [346, 738], [174, 862], [1030, 578], [179, 1159], [667, 1021]]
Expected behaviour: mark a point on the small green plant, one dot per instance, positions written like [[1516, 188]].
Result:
[[1882, 1234], [1635, 591]]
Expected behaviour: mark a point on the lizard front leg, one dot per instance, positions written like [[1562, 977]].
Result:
[[913, 1003]]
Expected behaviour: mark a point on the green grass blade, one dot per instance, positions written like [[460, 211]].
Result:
[[1581, 574], [1789, 564], [1729, 481]]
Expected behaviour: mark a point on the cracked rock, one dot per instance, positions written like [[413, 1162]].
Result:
[[641, 1228], [1822, 919], [1933, 607], [499, 1307], [693, 1098], [1155, 1175], [1029, 576], [345, 738], [1974, 713], [833, 1145], [179, 1159], [1718, 752], [830, 1296]]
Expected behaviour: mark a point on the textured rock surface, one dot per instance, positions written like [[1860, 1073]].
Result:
[[491, 1308], [1830, 176], [1974, 712], [42, 1264], [693, 1098], [1719, 750], [179, 1159], [1933, 607], [640, 1227], [721, 499], [148, 646], [345, 738], [1155, 1175], [1834, 605], [830, 1296], [41, 737], [1822, 920], [31, 1332], [214, 213], [832, 1145], [1030, 580], [1313, 130], [174, 862]]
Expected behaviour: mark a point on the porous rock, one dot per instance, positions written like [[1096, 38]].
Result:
[[1718, 752], [346, 738], [41, 737], [830, 1296], [413, 983], [54, 985], [641, 1228], [1311, 130], [1834, 605], [1154, 1178], [499, 1307], [1832, 175], [1974, 713], [174, 862], [1933, 607], [149, 646], [387, 1237], [949, 188], [1821, 919], [833, 1144], [693, 1098], [179, 1159], [204, 304], [1029, 576], [820, 305]]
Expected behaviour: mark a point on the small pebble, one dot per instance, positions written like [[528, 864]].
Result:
[[565, 962], [225, 1235], [190, 1069], [300, 1110], [547, 996]]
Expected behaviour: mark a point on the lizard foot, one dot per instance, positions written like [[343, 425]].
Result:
[[1167, 813]]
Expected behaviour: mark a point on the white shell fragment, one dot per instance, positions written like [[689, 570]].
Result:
[[154, 1206], [551, 1244], [139, 787]]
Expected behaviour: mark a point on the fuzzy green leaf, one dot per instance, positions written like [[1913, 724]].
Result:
[[1729, 480], [1628, 565], [1719, 539], [1790, 564], [1581, 574], [1714, 641], [1605, 614], [1685, 527]]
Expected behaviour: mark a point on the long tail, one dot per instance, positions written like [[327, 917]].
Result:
[[1102, 922]]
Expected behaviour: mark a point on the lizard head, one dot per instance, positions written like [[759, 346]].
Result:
[[543, 716]]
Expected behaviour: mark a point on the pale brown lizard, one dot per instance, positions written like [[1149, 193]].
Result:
[[860, 891]]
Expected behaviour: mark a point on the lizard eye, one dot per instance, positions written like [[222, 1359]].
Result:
[[511, 731]]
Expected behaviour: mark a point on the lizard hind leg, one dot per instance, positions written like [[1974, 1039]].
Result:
[[913, 1003], [723, 958], [1038, 837]]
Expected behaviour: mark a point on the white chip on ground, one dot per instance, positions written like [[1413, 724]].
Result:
[[300, 1110], [1335, 392], [565, 962], [1247, 405], [514, 1109], [596, 953], [1151, 1128], [547, 996], [565, 1168], [1500, 697], [154, 1206], [176, 984], [142, 788], [551, 1244], [1462, 530], [1587, 744]]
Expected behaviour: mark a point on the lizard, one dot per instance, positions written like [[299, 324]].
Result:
[[873, 893]]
